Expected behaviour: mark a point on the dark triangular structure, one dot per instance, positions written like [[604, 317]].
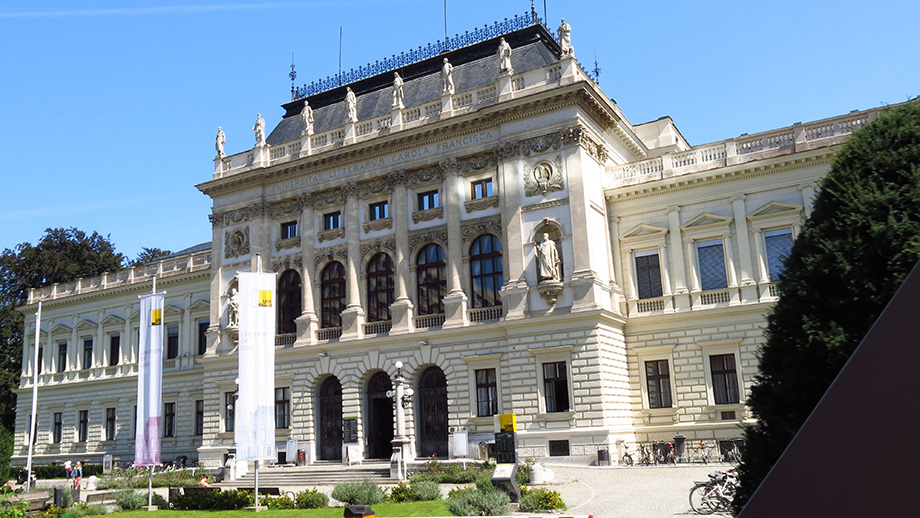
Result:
[[857, 453]]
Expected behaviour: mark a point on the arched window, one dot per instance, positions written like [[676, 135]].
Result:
[[379, 287], [332, 285], [486, 271], [431, 275], [289, 301]]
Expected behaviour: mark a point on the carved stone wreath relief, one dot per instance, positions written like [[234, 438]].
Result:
[[543, 177], [236, 243]]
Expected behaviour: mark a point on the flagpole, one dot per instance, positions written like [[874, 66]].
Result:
[[150, 467], [256, 462], [32, 424]]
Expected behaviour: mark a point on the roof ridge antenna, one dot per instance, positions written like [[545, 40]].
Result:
[[597, 69], [293, 76]]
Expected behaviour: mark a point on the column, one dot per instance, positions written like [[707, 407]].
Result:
[[455, 302], [679, 275], [402, 309], [747, 283], [307, 322], [353, 316], [808, 196], [514, 292]]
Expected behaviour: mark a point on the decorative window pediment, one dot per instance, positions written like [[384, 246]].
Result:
[[644, 231], [171, 310], [113, 320], [775, 209], [706, 221], [86, 324], [199, 305], [60, 329]]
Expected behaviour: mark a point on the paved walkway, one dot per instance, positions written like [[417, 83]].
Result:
[[630, 492]]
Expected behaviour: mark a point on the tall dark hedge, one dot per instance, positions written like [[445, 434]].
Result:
[[861, 241]]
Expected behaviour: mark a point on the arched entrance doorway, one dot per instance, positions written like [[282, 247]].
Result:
[[431, 418], [379, 424], [330, 419]]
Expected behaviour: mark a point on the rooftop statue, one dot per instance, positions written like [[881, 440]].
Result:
[[565, 38], [219, 143], [259, 128], [352, 103], [306, 115], [397, 91], [504, 57], [447, 78]]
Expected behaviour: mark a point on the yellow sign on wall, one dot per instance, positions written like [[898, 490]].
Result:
[[507, 423]]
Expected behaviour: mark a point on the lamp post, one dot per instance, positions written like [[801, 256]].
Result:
[[402, 398]]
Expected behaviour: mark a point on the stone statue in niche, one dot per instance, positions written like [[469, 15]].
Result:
[[447, 78], [565, 38], [219, 142], [306, 115], [351, 102], [504, 57], [397, 92], [548, 260], [259, 128], [233, 308]]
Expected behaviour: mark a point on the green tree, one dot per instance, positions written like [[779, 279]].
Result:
[[149, 255], [62, 255], [861, 241]]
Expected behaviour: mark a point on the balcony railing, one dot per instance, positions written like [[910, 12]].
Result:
[[376, 328], [426, 321], [484, 314], [285, 339], [329, 333]]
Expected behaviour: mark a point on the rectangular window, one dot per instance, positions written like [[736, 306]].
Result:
[[229, 405], [87, 353], [724, 379], [778, 244], [481, 189], [83, 426], [58, 429], [110, 424], [169, 420], [428, 200], [379, 210], [41, 358], [289, 230], [282, 407], [62, 357], [202, 336], [486, 393], [555, 387], [332, 220], [172, 341], [199, 417], [114, 349], [712, 265], [658, 381], [648, 274]]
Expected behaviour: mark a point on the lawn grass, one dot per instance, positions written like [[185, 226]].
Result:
[[429, 508]]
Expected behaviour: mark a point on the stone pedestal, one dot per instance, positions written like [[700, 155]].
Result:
[[307, 324], [514, 300], [447, 105], [455, 305], [504, 86], [401, 313], [353, 323]]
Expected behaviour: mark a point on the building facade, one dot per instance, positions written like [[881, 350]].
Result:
[[488, 217]]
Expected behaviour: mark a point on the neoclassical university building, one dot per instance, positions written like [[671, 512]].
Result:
[[484, 214]]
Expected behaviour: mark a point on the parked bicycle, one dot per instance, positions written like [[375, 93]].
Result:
[[627, 456], [716, 494], [733, 455], [646, 456], [703, 454]]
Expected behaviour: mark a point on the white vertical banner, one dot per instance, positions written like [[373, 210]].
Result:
[[255, 404], [149, 381]]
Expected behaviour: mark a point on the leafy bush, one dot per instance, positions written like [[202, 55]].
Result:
[[522, 477], [130, 500], [358, 493], [276, 502], [542, 500], [206, 500], [424, 490], [479, 503], [51, 512], [402, 492], [159, 501], [80, 509], [11, 506], [312, 499], [484, 482]]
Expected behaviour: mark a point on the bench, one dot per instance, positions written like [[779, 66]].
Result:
[[38, 500], [197, 490], [270, 491], [100, 498]]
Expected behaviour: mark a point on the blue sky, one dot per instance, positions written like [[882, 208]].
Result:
[[108, 110]]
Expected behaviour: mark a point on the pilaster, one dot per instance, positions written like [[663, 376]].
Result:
[[307, 322], [353, 316], [402, 309], [455, 302]]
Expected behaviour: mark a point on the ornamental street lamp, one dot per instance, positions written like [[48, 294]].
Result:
[[402, 398]]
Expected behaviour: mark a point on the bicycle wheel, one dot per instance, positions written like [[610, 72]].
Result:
[[627, 459], [702, 500]]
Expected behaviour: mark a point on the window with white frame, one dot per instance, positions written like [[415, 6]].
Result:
[[648, 274], [172, 341], [282, 407], [288, 229], [486, 393], [110, 424], [556, 386], [711, 261], [658, 383], [229, 411], [169, 420], [724, 379], [777, 246]]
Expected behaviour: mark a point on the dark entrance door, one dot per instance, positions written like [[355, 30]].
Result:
[[330, 419], [379, 430], [431, 419]]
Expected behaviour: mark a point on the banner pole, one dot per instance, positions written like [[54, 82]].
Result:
[[257, 483], [150, 486], [32, 423]]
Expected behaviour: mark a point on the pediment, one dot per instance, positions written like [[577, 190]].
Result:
[[86, 324], [60, 329], [706, 220], [31, 337], [171, 310], [775, 209], [135, 317], [113, 320], [199, 305], [644, 231]]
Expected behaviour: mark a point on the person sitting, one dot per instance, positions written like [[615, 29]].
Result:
[[203, 481]]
